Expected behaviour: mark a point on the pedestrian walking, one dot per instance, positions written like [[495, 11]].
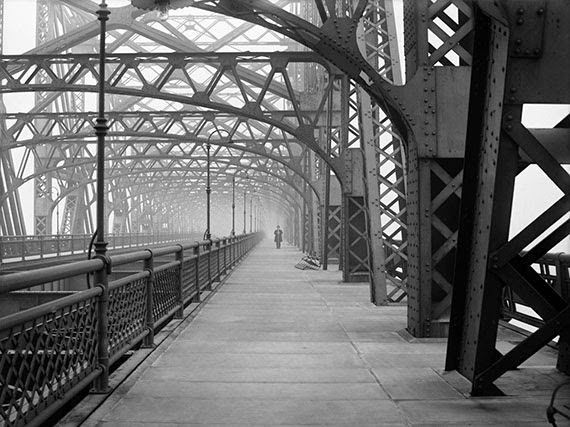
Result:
[[278, 237]]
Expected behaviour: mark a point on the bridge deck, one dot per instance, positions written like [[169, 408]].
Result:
[[277, 345]]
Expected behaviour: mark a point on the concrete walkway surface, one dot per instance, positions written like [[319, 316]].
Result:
[[280, 346]]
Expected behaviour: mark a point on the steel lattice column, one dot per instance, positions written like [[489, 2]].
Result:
[[498, 144]]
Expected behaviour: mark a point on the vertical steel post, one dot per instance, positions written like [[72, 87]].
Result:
[[197, 272], [244, 212], [208, 235], [251, 214], [233, 206], [180, 257], [149, 266], [102, 382]]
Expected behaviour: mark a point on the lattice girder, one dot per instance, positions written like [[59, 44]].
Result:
[[169, 77]]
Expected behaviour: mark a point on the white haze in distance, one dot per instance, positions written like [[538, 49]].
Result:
[[534, 192]]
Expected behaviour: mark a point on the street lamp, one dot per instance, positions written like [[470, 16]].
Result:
[[233, 206], [100, 276], [101, 129], [251, 213], [207, 234], [244, 205]]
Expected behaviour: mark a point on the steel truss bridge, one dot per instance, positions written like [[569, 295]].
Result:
[[400, 168]]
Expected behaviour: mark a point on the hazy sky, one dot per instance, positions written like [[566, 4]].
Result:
[[534, 192]]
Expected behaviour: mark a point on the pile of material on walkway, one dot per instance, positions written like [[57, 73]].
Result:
[[308, 262]]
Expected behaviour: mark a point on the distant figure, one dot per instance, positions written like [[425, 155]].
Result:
[[278, 237]]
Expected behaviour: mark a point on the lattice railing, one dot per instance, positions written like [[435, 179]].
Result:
[[50, 352], [166, 295], [45, 353], [555, 270], [189, 282], [127, 312], [21, 248]]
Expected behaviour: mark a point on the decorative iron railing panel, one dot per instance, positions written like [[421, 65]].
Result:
[[50, 352], [20, 248], [189, 285], [203, 274], [45, 353], [127, 312], [165, 290]]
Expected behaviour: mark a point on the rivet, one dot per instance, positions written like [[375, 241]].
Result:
[[513, 89], [518, 41], [520, 21], [536, 51], [509, 117], [540, 11], [520, 11], [509, 127]]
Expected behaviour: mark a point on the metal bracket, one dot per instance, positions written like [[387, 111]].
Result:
[[527, 28]]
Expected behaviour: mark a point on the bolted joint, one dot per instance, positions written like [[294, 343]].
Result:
[[108, 263]]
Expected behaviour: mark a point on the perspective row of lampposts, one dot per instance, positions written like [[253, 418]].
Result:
[[101, 129]]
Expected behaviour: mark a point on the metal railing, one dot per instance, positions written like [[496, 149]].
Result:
[[21, 248], [555, 270], [50, 352]]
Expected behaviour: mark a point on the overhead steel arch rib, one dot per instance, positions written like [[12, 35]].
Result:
[[335, 41], [18, 73]]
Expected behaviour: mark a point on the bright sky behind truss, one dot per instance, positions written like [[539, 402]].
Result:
[[534, 192]]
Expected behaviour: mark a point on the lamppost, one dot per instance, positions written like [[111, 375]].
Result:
[[101, 129], [233, 206], [246, 177], [251, 214], [101, 279], [208, 235]]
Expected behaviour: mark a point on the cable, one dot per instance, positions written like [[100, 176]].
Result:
[[91, 243]]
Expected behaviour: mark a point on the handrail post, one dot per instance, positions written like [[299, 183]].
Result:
[[197, 272], [233, 251], [149, 266], [180, 257], [101, 278], [225, 263], [209, 285], [218, 270]]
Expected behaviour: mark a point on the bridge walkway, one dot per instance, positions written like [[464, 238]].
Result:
[[279, 346]]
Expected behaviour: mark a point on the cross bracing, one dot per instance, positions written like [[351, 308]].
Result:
[[442, 225]]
